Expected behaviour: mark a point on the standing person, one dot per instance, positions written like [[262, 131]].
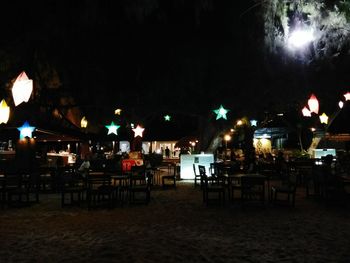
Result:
[[167, 152]]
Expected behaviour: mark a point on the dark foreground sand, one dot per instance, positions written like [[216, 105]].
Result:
[[176, 227]]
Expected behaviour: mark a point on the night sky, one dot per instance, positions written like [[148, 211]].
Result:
[[153, 57]]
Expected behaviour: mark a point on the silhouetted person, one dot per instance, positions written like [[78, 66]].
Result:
[[167, 152]]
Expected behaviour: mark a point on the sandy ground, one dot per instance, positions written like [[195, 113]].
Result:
[[176, 227]]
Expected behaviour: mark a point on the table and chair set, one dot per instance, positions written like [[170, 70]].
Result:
[[220, 186]]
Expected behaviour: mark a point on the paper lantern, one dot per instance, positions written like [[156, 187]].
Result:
[[313, 104], [4, 112], [347, 96], [83, 122], [306, 112], [26, 130], [341, 104], [112, 128], [221, 113], [138, 131], [167, 117], [324, 118], [22, 89]]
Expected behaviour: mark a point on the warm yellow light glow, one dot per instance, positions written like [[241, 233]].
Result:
[[306, 112], [341, 104], [239, 122], [4, 112], [227, 137], [22, 89], [324, 118], [118, 111], [83, 122], [312, 129], [313, 104], [347, 96]]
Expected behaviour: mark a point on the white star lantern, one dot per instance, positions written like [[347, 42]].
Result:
[[138, 131], [26, 130], [112, 128], [22, 89], [347, 96], [306, 112]]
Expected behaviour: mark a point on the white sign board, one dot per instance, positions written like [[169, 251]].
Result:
[[319, 153], [187, 161]]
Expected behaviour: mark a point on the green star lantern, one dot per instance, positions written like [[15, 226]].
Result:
[[221, 113], [167, 117], [112, 128]]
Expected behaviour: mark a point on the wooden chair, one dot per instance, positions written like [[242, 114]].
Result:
[[197, 177], [100, 190], [139, 185], [252, 189], [210, 186], [170, 177], [286, 191], [72, 184]]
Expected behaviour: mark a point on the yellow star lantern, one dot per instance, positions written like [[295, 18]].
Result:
[[324, 118], [22, 89], [26, 130], [118, 111], [347, 96], [112, 128], [138, 131], [4, 112]]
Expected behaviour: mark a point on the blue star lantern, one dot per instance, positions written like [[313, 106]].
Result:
[[221, 113], [25, 130], [112, 128]]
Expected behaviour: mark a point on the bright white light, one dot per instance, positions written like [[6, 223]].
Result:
[[341, 104], [299, 38]]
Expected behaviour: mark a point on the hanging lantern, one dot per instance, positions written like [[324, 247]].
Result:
[[22, 89], [83, 122], [313, 104], [4, 112], [26, 130], [221, 113], [138, 131], [347, 96], [324, 118], [112, 128], [306, 112], [341, 104]]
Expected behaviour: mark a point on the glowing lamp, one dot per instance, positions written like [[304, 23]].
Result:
[[221, 113], [83, 122], [313, 104], [117, 111], [227, 137], [22, 89], [341, 104], [112, 128], [347, 96], [138, 131], [4, 112], [324, 118], [306, 112], [167, 117], [25, 130], [300, 38]]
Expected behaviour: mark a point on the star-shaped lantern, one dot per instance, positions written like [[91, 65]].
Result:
[[324, 118], [138, 131], [4, 112], [221, 113], [167, 117], [26, 130], [347, 96], [22, 89], [306, 112], [112, 128], [118, 111]]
